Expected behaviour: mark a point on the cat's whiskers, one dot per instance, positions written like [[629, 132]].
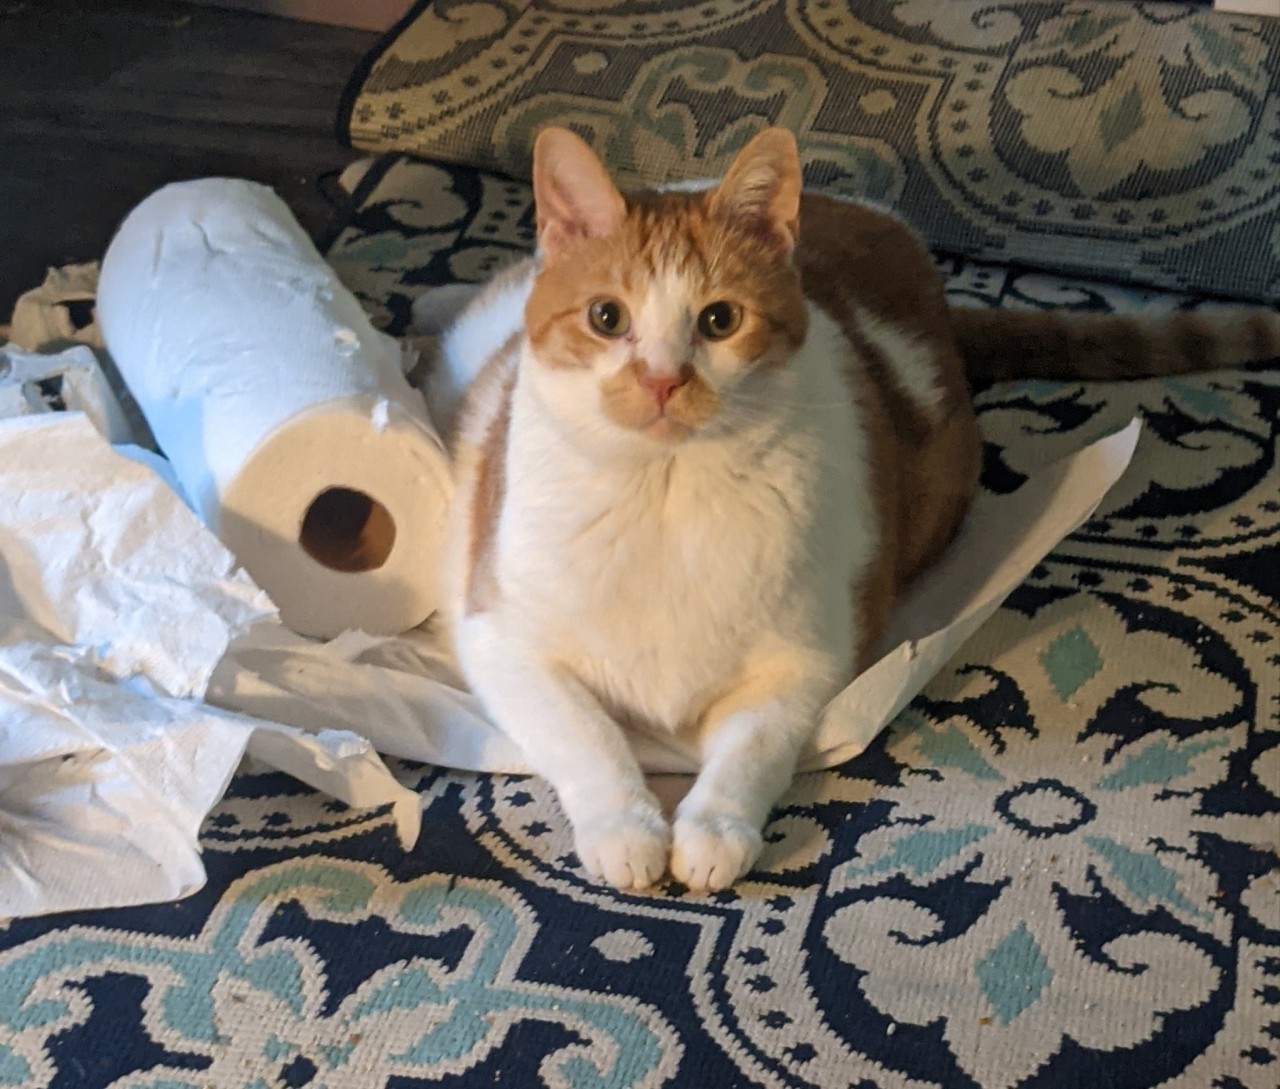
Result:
[[764, 401]]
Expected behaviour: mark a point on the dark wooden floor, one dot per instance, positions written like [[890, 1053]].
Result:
[[103, 101]]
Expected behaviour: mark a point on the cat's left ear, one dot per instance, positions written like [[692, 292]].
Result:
[[572, 192], [761, 191]]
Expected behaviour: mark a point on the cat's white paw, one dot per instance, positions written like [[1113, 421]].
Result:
[[628, 848], [712, 850]]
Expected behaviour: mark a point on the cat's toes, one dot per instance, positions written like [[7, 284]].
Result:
[[627, 847], [712, 850]]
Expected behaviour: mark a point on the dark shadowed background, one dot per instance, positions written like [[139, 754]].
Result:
[[103, 101]]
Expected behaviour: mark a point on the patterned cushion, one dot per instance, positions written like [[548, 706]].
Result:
[[1139, 142]]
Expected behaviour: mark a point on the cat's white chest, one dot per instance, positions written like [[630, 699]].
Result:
[[650, 593], [656, 586]]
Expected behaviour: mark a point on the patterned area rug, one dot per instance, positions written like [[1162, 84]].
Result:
[[1136, 141], [1058, 868]]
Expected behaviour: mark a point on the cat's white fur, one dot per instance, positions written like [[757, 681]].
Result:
[[650, 579], [702, 587], [472, 323], [910, 357]]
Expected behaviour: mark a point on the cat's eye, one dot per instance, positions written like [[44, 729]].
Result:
[[719, 320], [609, 318]]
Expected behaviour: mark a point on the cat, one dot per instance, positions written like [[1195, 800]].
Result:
[[703, 440]]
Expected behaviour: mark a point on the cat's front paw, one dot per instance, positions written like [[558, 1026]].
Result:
[[628, 848], [712, 850]]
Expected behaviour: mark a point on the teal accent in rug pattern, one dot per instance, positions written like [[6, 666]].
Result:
[[1159, 762], [948, 747], [1070, 661], [1143, 874], [1014, 974], [924, 852]]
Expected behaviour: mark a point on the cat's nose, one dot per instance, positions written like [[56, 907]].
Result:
[[662, 386]]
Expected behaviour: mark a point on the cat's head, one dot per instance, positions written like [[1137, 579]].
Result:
[[658, 317]]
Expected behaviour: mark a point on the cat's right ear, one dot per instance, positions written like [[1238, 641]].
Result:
[[572, 191], [761, 191]]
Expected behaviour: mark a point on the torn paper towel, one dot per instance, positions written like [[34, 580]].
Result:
[[116, 604], [284, 413], [104, 782], [100, 553], [32, 383], [42, 317], [59, 314]]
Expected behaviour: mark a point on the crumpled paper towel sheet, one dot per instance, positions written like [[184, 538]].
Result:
[[42, 321], [81, 384], [99, 552], [47, 319], [116, 605]]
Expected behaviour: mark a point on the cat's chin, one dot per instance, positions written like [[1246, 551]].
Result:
[[666, 430], [663, 428]]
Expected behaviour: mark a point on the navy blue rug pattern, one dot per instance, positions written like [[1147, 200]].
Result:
[[1058, 868]]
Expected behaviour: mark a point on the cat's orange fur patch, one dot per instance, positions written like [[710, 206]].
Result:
[[492, 391], [1004, 344], [667, 234], [924, 467]]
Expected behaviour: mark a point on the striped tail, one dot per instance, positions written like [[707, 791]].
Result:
[[998, 345]]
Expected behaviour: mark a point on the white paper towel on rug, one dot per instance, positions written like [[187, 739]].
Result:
[[284, 413], [116, 604]]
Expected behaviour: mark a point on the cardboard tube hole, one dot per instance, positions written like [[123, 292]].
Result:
[[346, 530]]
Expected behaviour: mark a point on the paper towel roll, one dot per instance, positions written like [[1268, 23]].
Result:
[[283, 411]]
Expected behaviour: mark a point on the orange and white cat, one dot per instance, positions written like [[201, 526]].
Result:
[[708, 437]]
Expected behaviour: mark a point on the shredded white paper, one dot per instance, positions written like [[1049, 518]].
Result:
[[116, 605]]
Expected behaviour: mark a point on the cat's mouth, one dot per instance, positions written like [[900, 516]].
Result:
[[666, 419], [665, 428]]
